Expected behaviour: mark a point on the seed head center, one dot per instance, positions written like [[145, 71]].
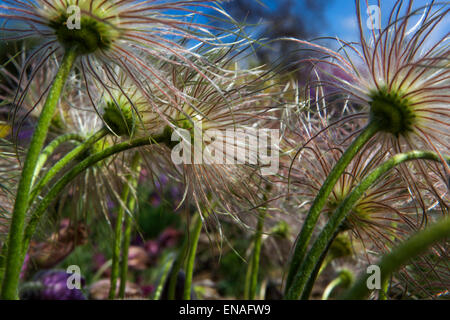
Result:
[[392, 112], [92, 34]]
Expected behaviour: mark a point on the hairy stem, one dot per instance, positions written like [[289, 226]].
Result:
[[321, 263], [328, 233], [58, 166], [133, 181], [50, 148], [15, 237], [400, 255], [117, 242], [72, 174], [193, 243], [321, 198]]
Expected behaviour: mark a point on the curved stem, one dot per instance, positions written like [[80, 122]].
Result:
[[332, 227], [14, 247], [51, 147], [71, 174], [345, 279], [321, 263], [253, 267], [133, 181], [330, 287], [193, 243], [321, 198], [56, 168], [400, 255], [165, 273]]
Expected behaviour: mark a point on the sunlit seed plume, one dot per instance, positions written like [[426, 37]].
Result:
[[214, 178], [131, 36], [396, 76], [388, 212]]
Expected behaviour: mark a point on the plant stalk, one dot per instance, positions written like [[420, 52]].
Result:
[[314, 212], [128, 224], [332, 227], [393, 261], [253, 267], [58, 166], [52, 146], [14, 260], [72, 174], [193, 243]]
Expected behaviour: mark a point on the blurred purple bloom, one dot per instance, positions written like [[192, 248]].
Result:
[[168, 238], [152, 247], [55, 287], [176, 194], [161, 182], [25, 134], [155, 199], [147, 290]]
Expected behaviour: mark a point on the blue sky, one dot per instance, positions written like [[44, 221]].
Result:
[[341, 17]]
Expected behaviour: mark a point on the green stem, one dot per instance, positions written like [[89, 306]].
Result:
[[321, 198], [400, 255], [171, 293], [58, 166], [330, 287], [165, 273], [14, 257], [51, 147], [133, 181], [253, 268], [72, 174], [193, 243], [345, 280], [54, 170], [332, 227], [321, 264], [116, 243], [248, 278], [383, 294]]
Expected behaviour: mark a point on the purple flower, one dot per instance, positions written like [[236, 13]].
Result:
[[25, 134], [55, 286], [153, 249], [168, 238], [161, 182], [147, 290], [155, 199]]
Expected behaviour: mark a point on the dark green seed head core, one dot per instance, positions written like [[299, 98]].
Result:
[[392, 112], [92, 35], [120, 119]]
